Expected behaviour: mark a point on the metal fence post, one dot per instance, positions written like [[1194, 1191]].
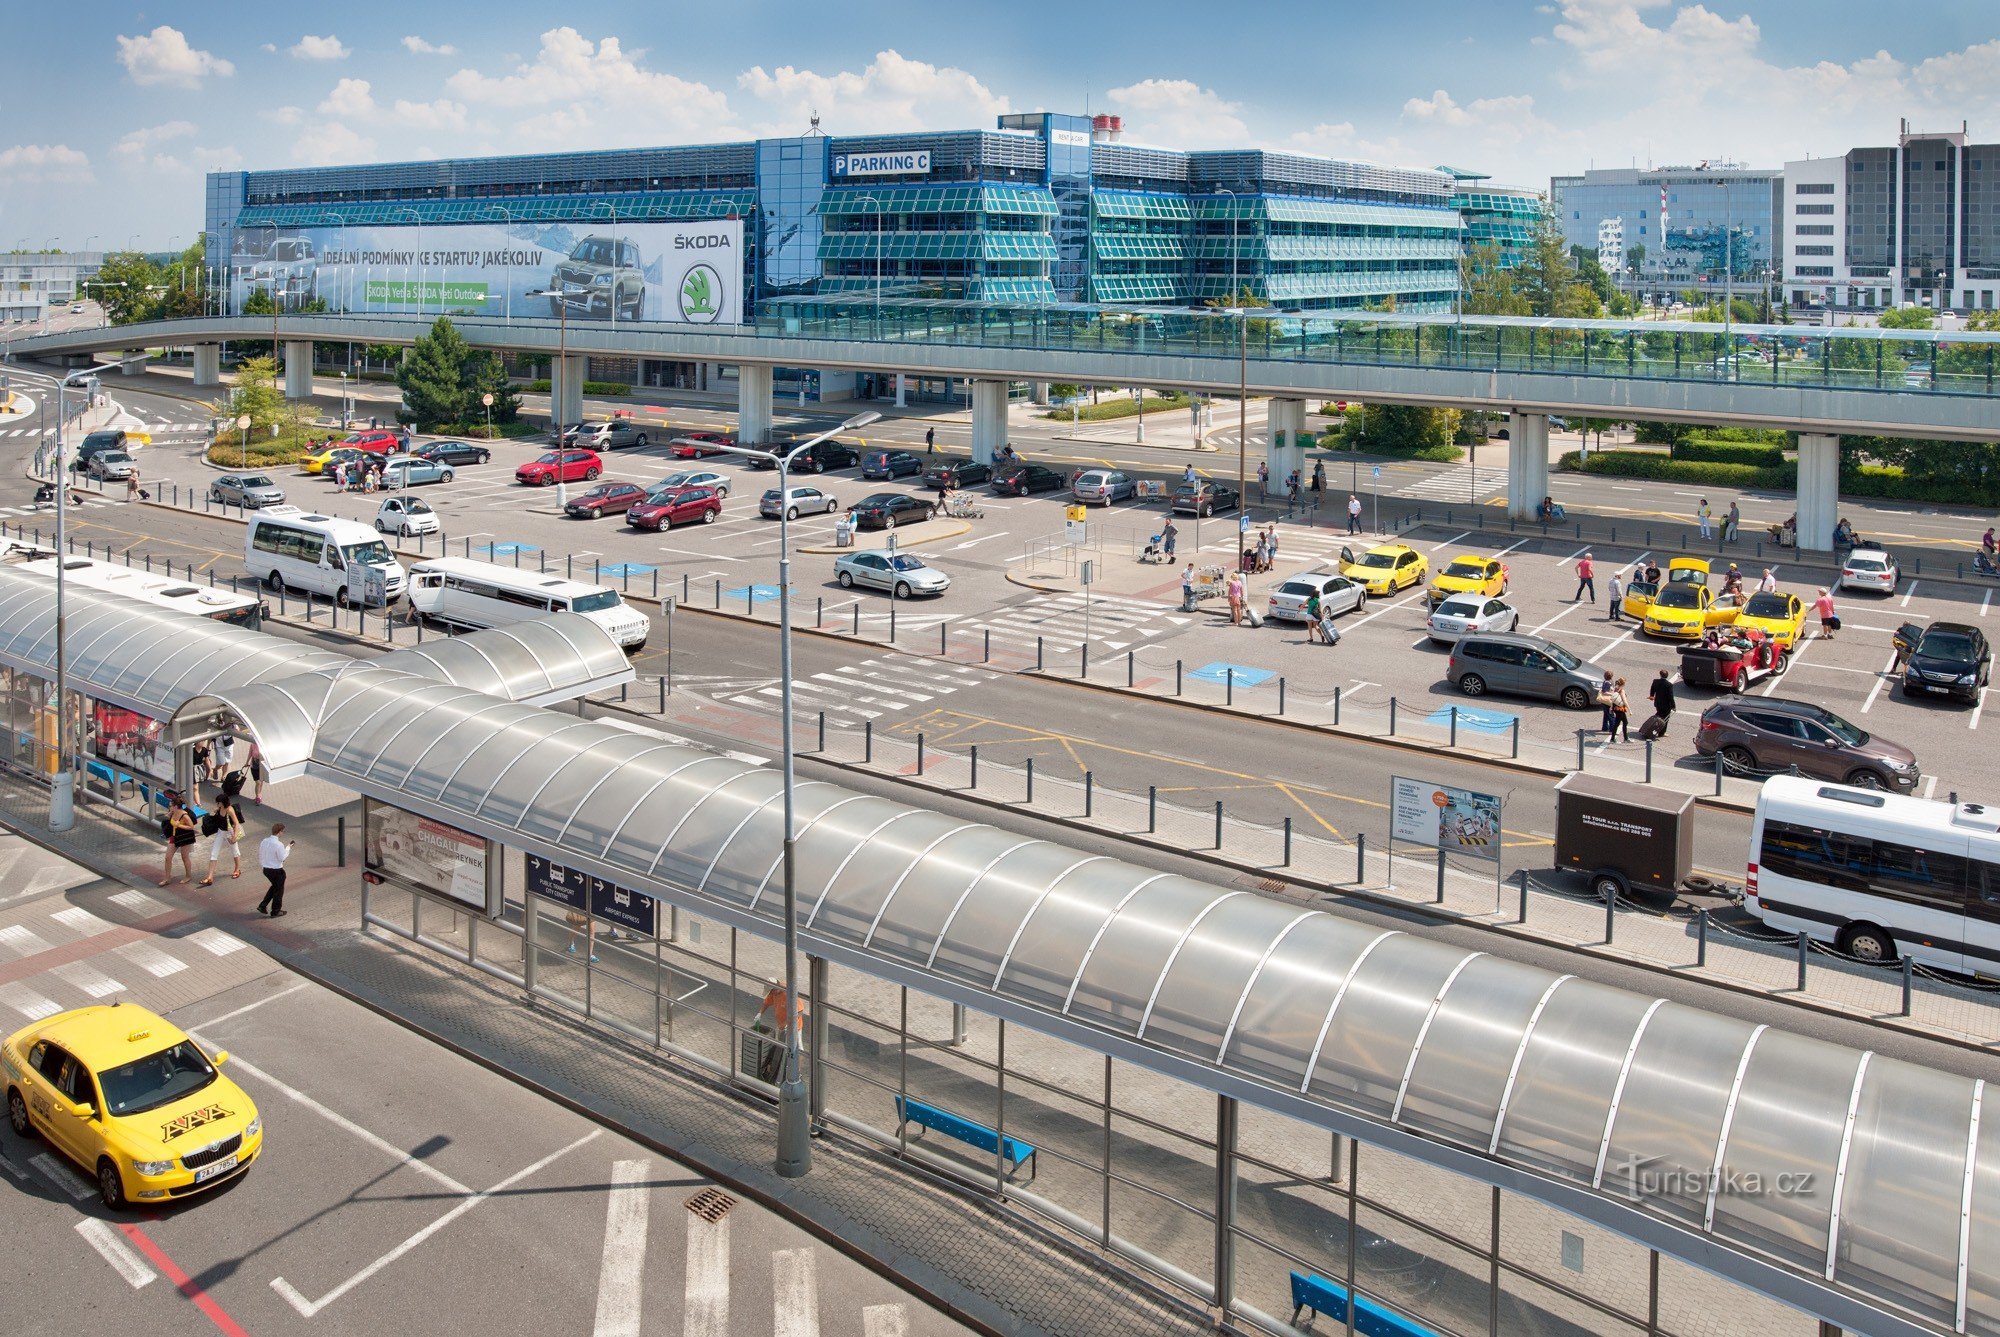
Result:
[[1177, 677], [1718, 774], [1038, 654], [1288, 842], [1083, 659], [1152, 809], [819, 612], [822, 733], [1907, 974], [988, 653], [1440, 886], [1089, 792], [1130, 670], [1515, 752], [1700, 939], [1610, 914], [662, 680], [856, 606], [1229, 687], [1649, 761], [1030, 796], [1336, 706], [1218, 824], [1579, 747], [892, 622], [1392, 717], [1522, 916], [867, 742], [684, 587], [718, 593], [1802, 960], [1452, 737], [975, 767], [920, 752], [340, 841], [1360, 856], [944, 641], [1281, 694]]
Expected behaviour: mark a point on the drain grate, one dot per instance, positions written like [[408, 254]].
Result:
[[1272, 884], [711, 1204]]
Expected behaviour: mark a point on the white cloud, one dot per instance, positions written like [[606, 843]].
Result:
[[45, 162], [285, 115], [1179, 114], [892, 93], [163, 56], [573, 82], [329, 143], [138, 143], [354, 100], [350, 97], [417, 46], [320, 48], [148, 150]]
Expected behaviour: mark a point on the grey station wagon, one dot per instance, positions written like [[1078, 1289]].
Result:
[[1518, 665]]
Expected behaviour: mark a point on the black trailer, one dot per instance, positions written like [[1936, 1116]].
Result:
[[1624, 836]]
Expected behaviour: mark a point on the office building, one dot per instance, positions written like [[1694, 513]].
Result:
[[1913, 223], [1703, 227], [34, 283], [1504, 217]]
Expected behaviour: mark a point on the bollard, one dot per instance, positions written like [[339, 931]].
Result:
[[718, 594], [656, 578], [1229, 687], [1649, 761], [1802, 961], [1360, 856], [1089, 792], [597, 571], [1083, 659], [1038, 654], [944, 645], [1515, 753], [1218, 824], [1610, 914], [1522, 916], [1288, 843], [867, 742], [1907, 977], [819, 612], [1336, 706], [569, 566], [662, 680], [1718, 775], [750, 601], [975, 767], [1700, 939], [1129, 669], [1452, 737], [822, 731], [1152, 809], [684, 587], [1281, 694], [1030, 796], [621, 692], [920, 752], [857, 617], [989, 647], [1579, 747], [1177, 677], [340, 841], [1440, 888], [1392, 717], [892, 623]]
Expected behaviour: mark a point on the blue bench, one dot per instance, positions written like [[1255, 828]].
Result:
[[1329, 1299], [1014, 1153]]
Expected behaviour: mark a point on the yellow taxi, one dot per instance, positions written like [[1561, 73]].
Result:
[[1384, 570], [1681, 612], [1638, 600], [130, 1098], [1779, 615], [1640, 592], [323, 462], [1469, 573]]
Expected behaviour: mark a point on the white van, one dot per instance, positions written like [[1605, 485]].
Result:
[[288, 549], [468, 593]]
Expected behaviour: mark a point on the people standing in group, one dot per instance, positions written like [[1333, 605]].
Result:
[[178, 828], [1732, 522], [1732, 580], [1614, 592], [1292, 488], [1270, 546], [1662, 694], [224, 827], [1621, 712], [1829, 621], [1653, 573], [1586, 578], [272, 852], [1353, 513], [1605, 687], [1702, 516], [1235, 592]]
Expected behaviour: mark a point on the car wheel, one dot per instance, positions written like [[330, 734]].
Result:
[[275, 583], [110, 1187], [1575, 698], [1864, 779], [847, 580], [1739, 759], [640, 441], [17, 1115], [791, 512], [1472, 685], [708, 517], [1865, 942], [590, 475], [902, 589], [340, 598], [1205, 511], [446, 476], [831, 506], [889, 521]]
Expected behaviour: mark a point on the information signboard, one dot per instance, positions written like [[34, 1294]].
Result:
[[584, 891], [1442, 817]]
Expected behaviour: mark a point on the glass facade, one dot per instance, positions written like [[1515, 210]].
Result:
[[1504, 217], [1723, 225]]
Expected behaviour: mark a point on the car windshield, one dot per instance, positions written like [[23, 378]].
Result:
[[113, 456], [155, 1080], [594, 251], [368, 554], [905, 563], [1841, 729], [881, 499], [547, 459], [1377, 559], [1467, 570], [1678, 596], [258, 480], [1768, 605], [1867, 563], [1946, 645], [415, 506], [606, 490], [1565, 661], [595, 603]]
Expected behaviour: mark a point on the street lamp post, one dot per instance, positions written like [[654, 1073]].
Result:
[[420, 258], [562, 296], [794, 1110], [62, 797], [507, 214]]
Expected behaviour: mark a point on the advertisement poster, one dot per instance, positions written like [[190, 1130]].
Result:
[[687, 273], [130, 741], [428, 855], [1441, 817], [582, 891]]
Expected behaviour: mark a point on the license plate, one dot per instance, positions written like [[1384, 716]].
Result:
[[222, 1166]]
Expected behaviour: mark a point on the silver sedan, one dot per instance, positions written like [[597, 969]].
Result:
[[1337, 595], [1462, 614], [247, 490], [899, 573]]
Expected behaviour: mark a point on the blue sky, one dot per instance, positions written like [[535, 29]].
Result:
[[113, 140]]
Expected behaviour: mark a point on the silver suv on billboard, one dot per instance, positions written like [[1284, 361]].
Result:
[[602, 274], [290, 271]]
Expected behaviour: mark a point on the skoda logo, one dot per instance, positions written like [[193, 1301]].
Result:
[[701, 295]]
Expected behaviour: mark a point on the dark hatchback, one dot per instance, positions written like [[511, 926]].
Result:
[[1946, 658], [1020, 479], [957, 473], [825, 456], [890, 464], [886, 510], [1204, 498], [454, 452]]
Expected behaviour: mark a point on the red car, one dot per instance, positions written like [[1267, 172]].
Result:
[[560, 466], [605, 499], [700, 445], [382, 442], [666, 507]]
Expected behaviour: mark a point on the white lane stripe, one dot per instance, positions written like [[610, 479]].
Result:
[[622, 1271], [1985, 601], [794, 1294], [22, 941], [139, 903], [27, 1002], [82, 975], [1978, 709], [7, 1164], [1536, 631], [62, 1175], [1908, 594], [885, 1321], [81, 922], [111, 1246], [215, 941], [1881, 680], [251, 1007], [1609, 648], [705, 1306], [151, 959]]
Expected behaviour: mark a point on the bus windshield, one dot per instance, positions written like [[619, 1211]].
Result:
[[368, 554]]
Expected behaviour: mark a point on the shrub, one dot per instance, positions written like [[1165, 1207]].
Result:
[[1121, 407], [1711, 451], [613, 389], [1647, 464]]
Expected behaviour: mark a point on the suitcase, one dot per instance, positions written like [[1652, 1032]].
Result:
[[1655, 727], [1253, 617]]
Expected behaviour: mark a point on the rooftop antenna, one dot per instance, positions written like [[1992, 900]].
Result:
[[813, 128]]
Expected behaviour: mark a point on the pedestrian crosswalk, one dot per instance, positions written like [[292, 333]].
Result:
[[1465, 483], [92, 958], [867, 690], [82, 498], [1064, 621]]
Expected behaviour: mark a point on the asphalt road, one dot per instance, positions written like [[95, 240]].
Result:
[[402, 1189]]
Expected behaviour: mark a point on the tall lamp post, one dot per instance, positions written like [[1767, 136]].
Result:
[[1242, 365], [507, 214], [62, 796], [794, 1110], [562, 298]]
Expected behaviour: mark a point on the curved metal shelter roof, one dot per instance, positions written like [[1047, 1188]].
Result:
[[1844, 1182]]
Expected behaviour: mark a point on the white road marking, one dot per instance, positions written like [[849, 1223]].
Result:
[[1453, 539], [1370, 617], [151, 959], [27, 1002], [1609, 648], [794, 1294], [218, 943], [705, 1307], [1536, 631], [63, 1175], [1930, 786], [1798, 653], [7, 1164], [621, 1273], [251, 1007], [885, 1321], [1907, 593], [81, 922], [1973, 723], [84, 976], [22, 941], [311, 1307], [1985, 600], [139, 903], [111, 1246], [1881, 680]]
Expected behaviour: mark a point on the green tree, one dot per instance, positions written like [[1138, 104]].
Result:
[[1399, 429], [128, 287], [255, 393], [1593, 274], [1548, 279], [486, 374], [1489, 289], [1906, 318], [1635, 256], [434, 379], [1064, 390]]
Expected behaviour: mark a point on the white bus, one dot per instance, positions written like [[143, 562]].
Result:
[[1878, 875], [463, 592], [345, 560], [151, 587]]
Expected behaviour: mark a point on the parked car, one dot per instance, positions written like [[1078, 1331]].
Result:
[[817, 460], [665, 507], [1019, 480], [615, 434], [454, 452], [1514, 664], [886, 510], [605, 499], [890, 464], [1468, 573], [1102, 486], [96, 444], [1950, 659], [1869, 568], [377, 441], [1337, 594], [794, 502], [1204, 498], [1683, 611], [411, 470], [1386, 568], [406, 516], [110, 466], [1779, 615], [899, 573], [1764, 733], [323, 463], [565, 466], [957, 474], [701, 445], [251, 490], [696, 478], [1463, 614]]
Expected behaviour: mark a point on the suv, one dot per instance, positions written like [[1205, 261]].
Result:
[[290, 272], [1870, 568], [96, 444], [1948, 657], [1521, 665], [610, 435], [1773, 734], [602, 275], [957, 474], [378, 441]]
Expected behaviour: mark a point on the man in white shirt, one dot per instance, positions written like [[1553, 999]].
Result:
[[271, 856]]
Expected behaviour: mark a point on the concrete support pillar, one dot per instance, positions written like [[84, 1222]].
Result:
[[1819, 491], [902, 390], [566, 390], [989, 420], [133, 362], [1039, 392], [753, 405], [298, 369], [1285, 424], [208, 364], [1527, 465]]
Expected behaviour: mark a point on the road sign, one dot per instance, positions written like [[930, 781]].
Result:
[[1374, 471], [1089, 573]]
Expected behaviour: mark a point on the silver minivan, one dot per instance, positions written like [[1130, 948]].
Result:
[[1514, 664]]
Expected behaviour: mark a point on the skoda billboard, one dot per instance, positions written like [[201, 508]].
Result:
[[683, 273]]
